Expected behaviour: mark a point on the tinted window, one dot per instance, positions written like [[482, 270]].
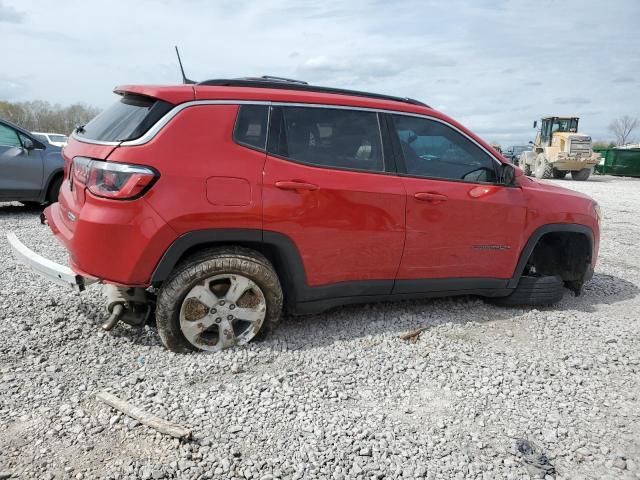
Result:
[[251, 126], [9, 137], [127, 119], [432, 149], [328, 137]]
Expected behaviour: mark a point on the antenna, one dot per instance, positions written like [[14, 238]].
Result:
[[185, 80]]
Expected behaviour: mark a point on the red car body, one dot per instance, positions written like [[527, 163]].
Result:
[[339, 236]]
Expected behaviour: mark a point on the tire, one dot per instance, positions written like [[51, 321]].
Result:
[[581, 175], [526, 169], [54, 189], [543, 169], [202, 270], [534, 291], [558, 174]]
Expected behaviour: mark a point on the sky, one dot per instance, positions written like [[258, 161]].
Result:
[[493, 65]]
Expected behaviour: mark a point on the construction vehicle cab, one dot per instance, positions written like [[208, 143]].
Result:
[[559, 149]]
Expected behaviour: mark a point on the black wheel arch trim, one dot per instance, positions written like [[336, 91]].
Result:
[[298, 294], [533, 241]]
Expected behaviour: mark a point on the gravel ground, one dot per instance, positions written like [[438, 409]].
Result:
[[337, 395]]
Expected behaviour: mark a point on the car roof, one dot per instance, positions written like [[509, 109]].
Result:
[[250, 89]]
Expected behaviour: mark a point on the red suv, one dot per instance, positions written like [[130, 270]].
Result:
[[234, 199]]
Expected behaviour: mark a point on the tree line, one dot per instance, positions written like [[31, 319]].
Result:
[[41, 116]]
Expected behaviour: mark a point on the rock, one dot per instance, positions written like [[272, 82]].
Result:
[[619, 463]]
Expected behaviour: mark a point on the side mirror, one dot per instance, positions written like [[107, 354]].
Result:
[[530, 142], [27, 143], [507, 174], [535, 123]]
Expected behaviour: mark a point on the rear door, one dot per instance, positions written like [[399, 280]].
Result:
[[20, 169], [326, 188], [461, 224]]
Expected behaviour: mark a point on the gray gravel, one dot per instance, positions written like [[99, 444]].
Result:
[[337, 395]]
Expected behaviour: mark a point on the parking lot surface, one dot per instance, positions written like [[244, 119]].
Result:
[[336, 395]]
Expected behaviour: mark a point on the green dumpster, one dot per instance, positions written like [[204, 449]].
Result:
[[620, 161]]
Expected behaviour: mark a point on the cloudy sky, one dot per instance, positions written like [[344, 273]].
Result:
[[494, 65]]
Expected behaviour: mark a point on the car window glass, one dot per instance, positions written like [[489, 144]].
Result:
[[9, 137], [328, 137], [127, 119], [23, 138], [251, 126], [433, 149]]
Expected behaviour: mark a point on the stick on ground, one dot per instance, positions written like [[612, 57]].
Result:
[[157, 423], [412, 336]]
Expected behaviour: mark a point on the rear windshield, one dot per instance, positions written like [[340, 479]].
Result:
[[127, 119]]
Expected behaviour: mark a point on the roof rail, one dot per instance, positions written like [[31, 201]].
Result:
[[267, 81]]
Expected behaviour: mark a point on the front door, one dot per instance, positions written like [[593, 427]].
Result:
[[325, 187], [461, 225], [20, 169]]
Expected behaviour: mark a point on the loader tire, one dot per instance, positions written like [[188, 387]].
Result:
[[558, 174], [581, 175], [543, 169]]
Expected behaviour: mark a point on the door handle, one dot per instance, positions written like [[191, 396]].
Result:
[[295, 185], [430, 197]]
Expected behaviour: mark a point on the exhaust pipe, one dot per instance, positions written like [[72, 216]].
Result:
[[131, 305]]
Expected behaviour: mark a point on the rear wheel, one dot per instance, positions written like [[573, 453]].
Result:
[[535, 291], [526, 169], [217, 299], [581, 175], [543, 169], [559, 173]]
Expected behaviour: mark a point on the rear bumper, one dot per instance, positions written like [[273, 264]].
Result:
[[119, 242], [60, 274]]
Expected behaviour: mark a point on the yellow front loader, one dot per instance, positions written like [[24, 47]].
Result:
[[559, 149]]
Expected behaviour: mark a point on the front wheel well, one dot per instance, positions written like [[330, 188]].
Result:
[[565, 254]]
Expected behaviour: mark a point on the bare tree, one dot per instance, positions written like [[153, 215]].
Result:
[[41, 116], [622, 127]]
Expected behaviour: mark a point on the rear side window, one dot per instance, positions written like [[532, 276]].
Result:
[[433, 149], [251, 126], [127, 119], [327, 137]]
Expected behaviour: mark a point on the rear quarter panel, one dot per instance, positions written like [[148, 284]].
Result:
[[196, 159]]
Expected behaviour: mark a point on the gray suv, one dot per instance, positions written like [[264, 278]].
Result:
[[30, 171]]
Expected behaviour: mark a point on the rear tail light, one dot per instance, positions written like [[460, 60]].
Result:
[[119, 181]]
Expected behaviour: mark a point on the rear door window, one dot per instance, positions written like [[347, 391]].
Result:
[[127, 119], [327, 137]]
